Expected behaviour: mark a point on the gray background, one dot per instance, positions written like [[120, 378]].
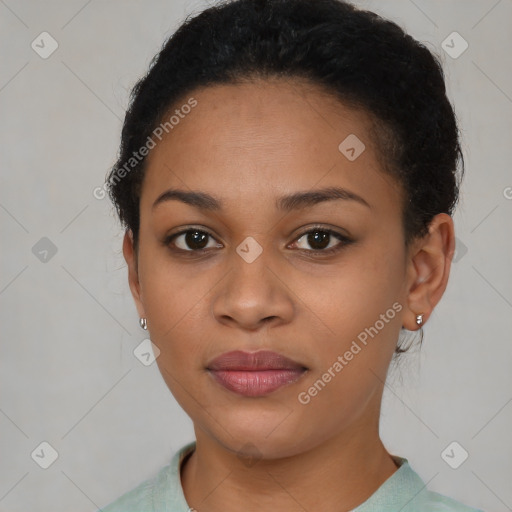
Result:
[[69, 327]]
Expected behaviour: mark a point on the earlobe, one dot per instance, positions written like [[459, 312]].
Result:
[[429, 270], [130, 257]]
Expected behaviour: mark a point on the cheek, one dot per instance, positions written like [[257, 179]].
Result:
[[355, 295], [176, 304], [360, 313], [171, 292]]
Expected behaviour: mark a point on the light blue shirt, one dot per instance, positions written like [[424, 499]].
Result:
[[403, 491]]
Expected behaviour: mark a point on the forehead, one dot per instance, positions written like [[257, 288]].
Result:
[[265, 138]]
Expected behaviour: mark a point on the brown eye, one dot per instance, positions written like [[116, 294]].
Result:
[[191, 240], [318, 239], [322, 240]]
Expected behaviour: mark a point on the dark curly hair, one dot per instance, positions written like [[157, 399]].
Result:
[[364, 60]]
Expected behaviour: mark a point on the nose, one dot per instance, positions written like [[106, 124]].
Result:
[[253, 295]]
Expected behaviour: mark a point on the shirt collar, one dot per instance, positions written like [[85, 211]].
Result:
[[397, 491]]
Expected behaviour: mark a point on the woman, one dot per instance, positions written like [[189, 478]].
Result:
[[287, 176]]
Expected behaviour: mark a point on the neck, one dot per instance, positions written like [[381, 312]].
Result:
[[336, 475]]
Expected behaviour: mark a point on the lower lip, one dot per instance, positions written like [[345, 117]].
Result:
[[255, 383]]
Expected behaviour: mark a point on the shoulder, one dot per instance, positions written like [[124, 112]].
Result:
[[161, 492], [405, 491], [429, 501], [140, 498], [424, 500]]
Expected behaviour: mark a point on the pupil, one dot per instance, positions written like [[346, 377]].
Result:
[[318, 239], [196, 239]]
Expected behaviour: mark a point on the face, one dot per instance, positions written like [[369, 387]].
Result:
[[320, 280]]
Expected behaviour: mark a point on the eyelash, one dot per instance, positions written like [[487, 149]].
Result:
[[344, 241]]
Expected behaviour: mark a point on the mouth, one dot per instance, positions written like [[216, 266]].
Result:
[[254, 374]]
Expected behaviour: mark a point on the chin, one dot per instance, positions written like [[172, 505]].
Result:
[[262, 436]]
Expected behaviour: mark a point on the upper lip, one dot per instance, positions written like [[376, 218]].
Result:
[[251, 361]]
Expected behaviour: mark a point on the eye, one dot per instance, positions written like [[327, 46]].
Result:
[[191, 240], [322, 240]]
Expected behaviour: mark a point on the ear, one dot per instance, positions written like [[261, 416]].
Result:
[[428, 270], [133, 275]]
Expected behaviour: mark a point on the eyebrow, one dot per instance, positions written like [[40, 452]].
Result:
[[286, 203]]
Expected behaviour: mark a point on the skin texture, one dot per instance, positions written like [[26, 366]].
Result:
[[247, 144]]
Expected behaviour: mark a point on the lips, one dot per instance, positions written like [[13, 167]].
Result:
[[254, 373]]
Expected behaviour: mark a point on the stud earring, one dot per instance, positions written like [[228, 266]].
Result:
[[143, 323], [419, 319]]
